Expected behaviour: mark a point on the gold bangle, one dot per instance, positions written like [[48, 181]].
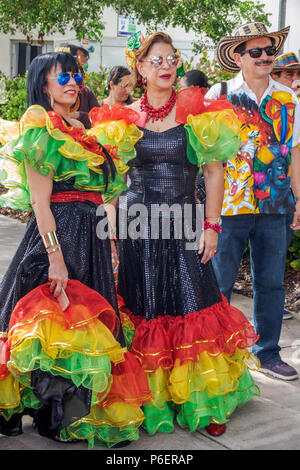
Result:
[[217, 219], [53, 249], [50, 239]]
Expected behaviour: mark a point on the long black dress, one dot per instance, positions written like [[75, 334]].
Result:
[[67, 368], [191, 343]]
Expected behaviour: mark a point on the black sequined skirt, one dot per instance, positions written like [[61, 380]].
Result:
[[160, 277]]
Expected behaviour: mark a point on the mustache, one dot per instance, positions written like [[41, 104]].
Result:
[[264, 62]]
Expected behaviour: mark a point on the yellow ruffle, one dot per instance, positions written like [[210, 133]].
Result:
[[37, 116], [93, 340], [218, 375], [9, 392], [208, 126], [117, 133]]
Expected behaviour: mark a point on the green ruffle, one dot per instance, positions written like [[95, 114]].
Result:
[[27, 400], [225, 145], [37, 149], [200, 409], [101, 435], [91, 372]]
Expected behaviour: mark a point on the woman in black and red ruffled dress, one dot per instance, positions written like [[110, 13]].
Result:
[[191, 343], [67, 366]]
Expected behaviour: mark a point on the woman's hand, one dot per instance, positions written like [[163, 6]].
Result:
[[296, 219], [58, 273], [208, 244]]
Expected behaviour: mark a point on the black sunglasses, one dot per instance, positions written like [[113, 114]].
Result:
[[256, 52]]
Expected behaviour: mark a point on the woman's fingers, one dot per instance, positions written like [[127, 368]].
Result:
[[56, 285]]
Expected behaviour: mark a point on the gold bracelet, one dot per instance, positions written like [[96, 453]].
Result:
[[217, 219], [50, 239], [53, 249]]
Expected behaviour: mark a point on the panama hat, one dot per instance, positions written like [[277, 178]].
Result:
[[286, 61], [246, 32]]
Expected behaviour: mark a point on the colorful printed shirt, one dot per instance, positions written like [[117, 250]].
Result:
[[257, 180]]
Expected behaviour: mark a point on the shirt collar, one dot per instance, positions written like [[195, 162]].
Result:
[[238, 82]]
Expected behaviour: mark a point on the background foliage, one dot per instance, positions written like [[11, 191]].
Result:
[[207, 18]]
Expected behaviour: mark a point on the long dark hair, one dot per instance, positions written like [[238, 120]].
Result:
[[37, 80], [37, 75]]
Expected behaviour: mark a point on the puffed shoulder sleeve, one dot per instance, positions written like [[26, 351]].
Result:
[[212, 127], [114, 127], [42, 140]]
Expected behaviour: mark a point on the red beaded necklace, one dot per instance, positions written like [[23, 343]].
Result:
[[159, 113]]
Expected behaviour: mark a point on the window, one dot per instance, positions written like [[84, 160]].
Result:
[[24, 53]]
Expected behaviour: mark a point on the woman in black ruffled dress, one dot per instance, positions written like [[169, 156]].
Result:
[[191, 343], [66, 365]]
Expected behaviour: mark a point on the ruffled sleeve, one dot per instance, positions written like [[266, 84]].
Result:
[[212, 127], [115, 129], [42, 141]]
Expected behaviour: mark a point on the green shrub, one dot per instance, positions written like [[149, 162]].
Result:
[[97, 82], [13, 101], [293, 255]]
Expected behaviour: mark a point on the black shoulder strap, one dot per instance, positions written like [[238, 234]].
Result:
[[223, 88]]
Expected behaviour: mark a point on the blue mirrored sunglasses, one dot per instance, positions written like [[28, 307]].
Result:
[[64, 78]]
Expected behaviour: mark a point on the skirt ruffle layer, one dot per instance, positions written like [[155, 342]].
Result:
[[197, 365], [78, 346]]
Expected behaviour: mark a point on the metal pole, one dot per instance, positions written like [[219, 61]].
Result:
[[281, 17], [282, 14]]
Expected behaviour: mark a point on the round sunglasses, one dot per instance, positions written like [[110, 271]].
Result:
[[64, 78], [256, 52], [157, 61]]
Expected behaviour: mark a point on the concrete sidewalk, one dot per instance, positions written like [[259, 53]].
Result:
[[270, 421]]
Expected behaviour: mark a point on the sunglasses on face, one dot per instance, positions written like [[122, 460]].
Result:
[[64, 78], [256, 52], [157, 61]]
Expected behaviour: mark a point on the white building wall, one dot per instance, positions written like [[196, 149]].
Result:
[[292, 43]]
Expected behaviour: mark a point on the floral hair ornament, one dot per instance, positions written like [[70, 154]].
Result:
[[133, 43]]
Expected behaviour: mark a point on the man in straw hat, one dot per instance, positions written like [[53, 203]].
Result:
[[258, 196], [286, 70]]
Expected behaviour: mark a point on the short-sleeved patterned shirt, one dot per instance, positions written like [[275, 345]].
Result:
[[257, 180]]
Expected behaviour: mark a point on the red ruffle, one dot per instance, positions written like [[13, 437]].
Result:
[[192, 101], [115, 112], [4, 357], [129, 385], [86, 306], [216, 329], [89, 143]]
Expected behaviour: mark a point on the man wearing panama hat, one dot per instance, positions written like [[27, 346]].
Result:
[[258, 197], [286, 70]]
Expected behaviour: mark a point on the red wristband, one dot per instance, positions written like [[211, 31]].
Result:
[[216, 227]]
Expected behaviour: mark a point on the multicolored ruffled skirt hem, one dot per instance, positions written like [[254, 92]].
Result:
[[197, 365], [75, 351]]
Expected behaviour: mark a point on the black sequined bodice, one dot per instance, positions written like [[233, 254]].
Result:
[[161, 172]]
